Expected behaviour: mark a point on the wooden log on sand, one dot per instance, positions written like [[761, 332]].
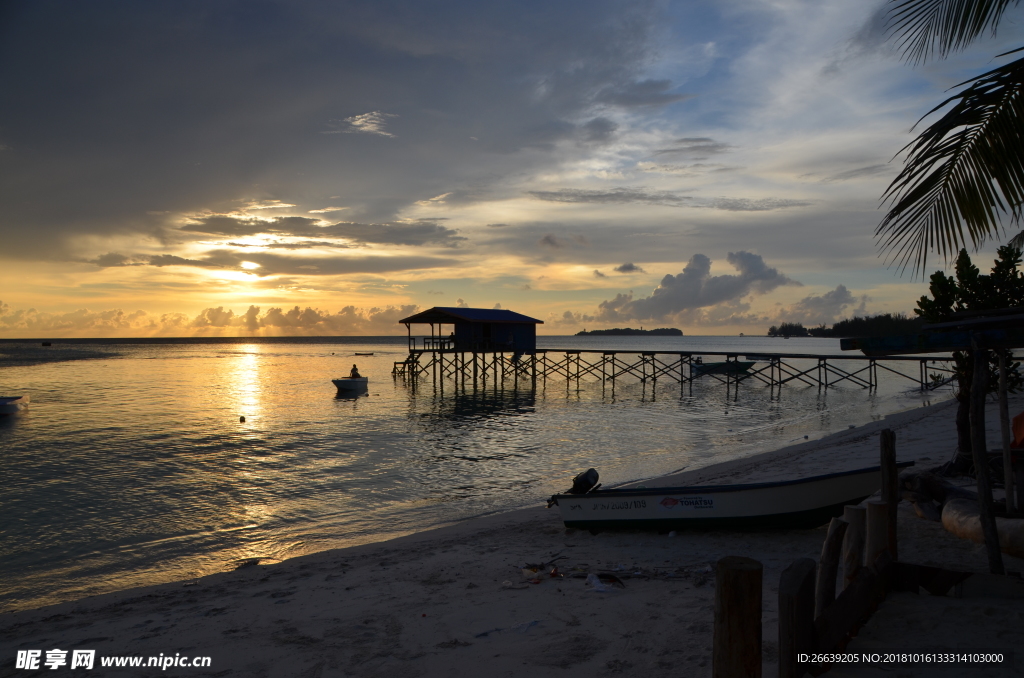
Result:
[[796, 616], [853, 543], [828, 566], [736, 651]]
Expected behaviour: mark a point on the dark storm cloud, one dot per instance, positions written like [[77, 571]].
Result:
[[629, 267], [119, 115], [421, 232], [644, 93], [696, 288], [670, 198]]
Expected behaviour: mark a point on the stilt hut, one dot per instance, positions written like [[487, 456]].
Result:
[[474, 329]]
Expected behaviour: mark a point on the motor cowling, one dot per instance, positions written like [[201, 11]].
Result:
[[584, 482]]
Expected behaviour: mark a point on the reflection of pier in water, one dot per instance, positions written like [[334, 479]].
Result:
[[498, 369]]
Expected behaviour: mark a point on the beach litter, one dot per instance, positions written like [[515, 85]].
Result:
[[602, 583], [534, 571]]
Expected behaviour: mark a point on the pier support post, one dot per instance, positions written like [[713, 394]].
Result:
[[737, 637]]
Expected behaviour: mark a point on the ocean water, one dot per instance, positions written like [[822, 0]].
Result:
[[131, 466]]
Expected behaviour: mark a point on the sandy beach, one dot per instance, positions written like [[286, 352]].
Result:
[[454, 602]]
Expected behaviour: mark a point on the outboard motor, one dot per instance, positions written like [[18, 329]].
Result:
[[581, 484], [584, 482]]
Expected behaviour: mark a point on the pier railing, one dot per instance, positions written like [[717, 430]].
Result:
[[469, 368]]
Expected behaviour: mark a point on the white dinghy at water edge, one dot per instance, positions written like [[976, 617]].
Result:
[[351, 384]]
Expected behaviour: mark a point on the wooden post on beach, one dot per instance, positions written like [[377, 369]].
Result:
[[853, 543], [796, 616], [828, 566], [737, 641], [890, 486], [876, 533], [979, 385], [1004, 429]]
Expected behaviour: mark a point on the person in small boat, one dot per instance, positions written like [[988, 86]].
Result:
[[354, 374]]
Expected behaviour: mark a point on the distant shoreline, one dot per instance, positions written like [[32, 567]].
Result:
[[630, 332]]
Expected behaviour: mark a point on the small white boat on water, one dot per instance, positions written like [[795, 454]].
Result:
[[802, 503], [351, 383], [13, 404]]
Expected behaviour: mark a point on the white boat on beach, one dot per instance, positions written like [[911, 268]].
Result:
[[351, 383], [13, 404], [802, 503]]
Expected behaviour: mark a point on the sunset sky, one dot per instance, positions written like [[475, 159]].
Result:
[[302, 167]]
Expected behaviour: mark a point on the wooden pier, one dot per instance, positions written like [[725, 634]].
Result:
[[478, 369]]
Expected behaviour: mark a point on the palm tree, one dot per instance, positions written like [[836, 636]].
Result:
[[964, 174]]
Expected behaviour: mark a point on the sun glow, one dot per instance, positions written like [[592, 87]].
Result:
[[249, 265]]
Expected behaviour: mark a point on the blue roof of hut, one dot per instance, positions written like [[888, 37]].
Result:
[[451, 315]]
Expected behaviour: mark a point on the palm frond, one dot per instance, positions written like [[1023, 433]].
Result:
[[922, 27], [1017, 241], [965, 170]]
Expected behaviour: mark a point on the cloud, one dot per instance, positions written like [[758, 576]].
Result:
[[419, 232], [326, 210], [629, 268], [551, 241], [613, 195], [212, 321], [868, 171], [598, 274], [697, 147], [696, 288], [642, 195], [598, 130], [277, 264], [825, 308], [643, 93], [692, 170], [366, 123]]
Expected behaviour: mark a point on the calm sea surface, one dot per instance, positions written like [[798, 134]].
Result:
[[131, 466]]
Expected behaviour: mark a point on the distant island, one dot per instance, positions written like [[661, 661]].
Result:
[[629, 332]]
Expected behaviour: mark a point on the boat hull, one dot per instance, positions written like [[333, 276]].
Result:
[[730, 367], [351, 384], [804, 503], [13, 404]]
